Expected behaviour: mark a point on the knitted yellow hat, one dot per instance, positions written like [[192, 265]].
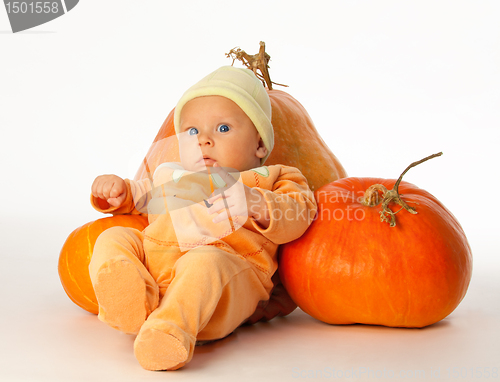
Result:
[[243, 88]]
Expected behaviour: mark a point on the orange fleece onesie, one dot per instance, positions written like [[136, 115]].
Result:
[[184, 278]]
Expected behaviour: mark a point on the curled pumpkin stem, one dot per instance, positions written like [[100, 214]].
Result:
[[378, 193]]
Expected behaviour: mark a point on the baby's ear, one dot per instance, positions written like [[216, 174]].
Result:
[[261, 149]]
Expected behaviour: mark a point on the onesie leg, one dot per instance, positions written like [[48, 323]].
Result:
[[162, 345], [121, 293], [125, 290], [211, 294]]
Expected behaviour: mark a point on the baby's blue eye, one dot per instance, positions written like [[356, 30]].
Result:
[[223, 128], [193, 131]]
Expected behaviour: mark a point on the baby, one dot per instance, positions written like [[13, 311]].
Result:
[[206, 259]]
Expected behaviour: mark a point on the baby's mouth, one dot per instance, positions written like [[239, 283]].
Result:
[[207, 161]]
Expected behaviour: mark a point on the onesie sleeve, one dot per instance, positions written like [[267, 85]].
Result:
[[138, 196], [291, 205]]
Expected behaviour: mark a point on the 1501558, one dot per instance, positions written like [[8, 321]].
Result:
[[32, 7]]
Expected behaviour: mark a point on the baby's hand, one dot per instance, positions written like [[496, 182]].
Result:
[[240, 201], [110, 188]]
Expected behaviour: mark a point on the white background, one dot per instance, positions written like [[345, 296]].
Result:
[[386, 83]]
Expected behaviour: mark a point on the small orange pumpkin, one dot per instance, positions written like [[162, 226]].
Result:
[[76, 254]]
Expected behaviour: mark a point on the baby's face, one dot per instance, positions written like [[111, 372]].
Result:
[[215, 129]]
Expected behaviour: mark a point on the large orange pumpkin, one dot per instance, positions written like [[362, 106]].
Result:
[[351, 267], [76, 254]]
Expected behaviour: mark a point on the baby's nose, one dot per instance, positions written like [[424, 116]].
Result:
[[205, 139]]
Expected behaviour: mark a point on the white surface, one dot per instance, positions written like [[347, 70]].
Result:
[[386, 83], [46, 337]]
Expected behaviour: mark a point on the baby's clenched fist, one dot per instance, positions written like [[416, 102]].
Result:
[[110, 188]]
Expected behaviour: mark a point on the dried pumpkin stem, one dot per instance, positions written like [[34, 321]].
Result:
[[378, 193], [255, 62]]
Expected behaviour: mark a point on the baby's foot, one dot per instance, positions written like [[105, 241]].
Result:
[[157, 350], [121, 293]]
